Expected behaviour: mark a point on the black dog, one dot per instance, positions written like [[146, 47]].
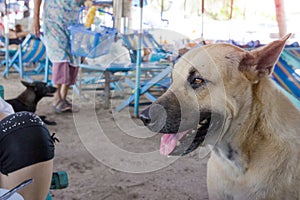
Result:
[[28, 99]]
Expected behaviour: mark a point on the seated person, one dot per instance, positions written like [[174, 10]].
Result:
[[21, 34], [18, 35], [13, 38], [26, 152]]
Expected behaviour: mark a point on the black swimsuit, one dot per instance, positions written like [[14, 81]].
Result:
[[24, 140]]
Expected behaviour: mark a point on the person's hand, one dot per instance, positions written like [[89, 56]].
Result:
[[36, 27], [88, 3], [2, 115]]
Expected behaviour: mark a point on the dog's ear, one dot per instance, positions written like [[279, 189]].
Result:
[[260, 62], [26, 84], [39, 83]]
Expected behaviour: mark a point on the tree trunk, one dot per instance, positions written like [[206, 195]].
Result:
[[280, 17]]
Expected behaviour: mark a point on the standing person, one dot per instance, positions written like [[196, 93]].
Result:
[[58, 15], [26, 152]]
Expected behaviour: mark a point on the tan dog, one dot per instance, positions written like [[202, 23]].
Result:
[[222, 96]]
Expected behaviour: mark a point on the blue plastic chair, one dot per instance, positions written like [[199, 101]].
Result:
[[130, 41], [31, 51]]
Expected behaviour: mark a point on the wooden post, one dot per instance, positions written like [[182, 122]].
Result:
[[106, 89]]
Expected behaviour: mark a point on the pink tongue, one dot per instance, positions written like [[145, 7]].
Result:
[[168, 142]]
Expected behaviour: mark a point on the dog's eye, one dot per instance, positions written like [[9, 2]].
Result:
[[197, 82]]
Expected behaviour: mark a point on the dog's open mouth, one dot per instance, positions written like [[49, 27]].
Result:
[[50, 92], [49, 95], [182, 143]]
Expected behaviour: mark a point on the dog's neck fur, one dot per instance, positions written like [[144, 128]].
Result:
[[257, 126], [29, 98]]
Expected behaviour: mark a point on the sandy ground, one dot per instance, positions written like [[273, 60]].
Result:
[[111, 156]]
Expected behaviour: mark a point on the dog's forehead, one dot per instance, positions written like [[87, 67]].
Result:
[[39, 83], [206, 60]]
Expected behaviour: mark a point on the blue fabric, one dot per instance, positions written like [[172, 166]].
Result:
[[286, 77]]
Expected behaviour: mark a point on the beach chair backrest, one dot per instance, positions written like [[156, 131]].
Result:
[[286, 76], [33, 50], [295, 52], [131, 43], [148, 41], [292, 56]]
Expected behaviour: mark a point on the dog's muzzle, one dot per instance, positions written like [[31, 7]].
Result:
[[181, 134]]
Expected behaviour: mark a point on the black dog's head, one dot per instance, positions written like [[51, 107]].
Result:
[[38, 89], [29, 98]]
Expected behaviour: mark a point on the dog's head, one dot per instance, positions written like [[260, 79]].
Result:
[[212, 86], [39, 89]]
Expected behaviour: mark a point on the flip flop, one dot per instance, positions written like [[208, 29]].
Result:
[[61, 106], [73, 107]]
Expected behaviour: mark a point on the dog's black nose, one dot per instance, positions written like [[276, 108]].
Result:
[[145, 117]]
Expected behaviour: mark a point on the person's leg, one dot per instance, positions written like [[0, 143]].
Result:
[[63, 75], [64, 91], [58, 79], [59, 102], [57, 95], [73, 72], [41, 173]]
